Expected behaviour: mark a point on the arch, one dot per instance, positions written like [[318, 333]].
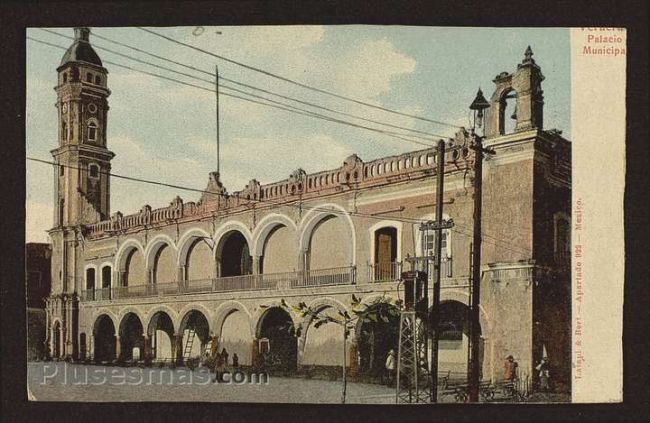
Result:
[[195, 322], [103, 338], [130, 310], [454, 337], [264, 228], [463, 298], [160, 330], [257, 316], [233, 327], [163, 309], [183, 315], [314, 216], [222, 312], [375, 339], [131, 332], [107, 312], [124, 250], [237, 260], [319, 304], [186, 241], [323, 345], [507, 124], [152, 248], [277, 325]]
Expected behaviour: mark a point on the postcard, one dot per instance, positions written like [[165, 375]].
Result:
[[325, 214]]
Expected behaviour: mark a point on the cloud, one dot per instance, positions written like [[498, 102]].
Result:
[[366, 72]]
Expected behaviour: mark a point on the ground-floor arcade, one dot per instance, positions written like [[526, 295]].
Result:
[[263, 333]]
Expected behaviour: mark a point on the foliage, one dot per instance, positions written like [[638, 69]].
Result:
[[380, 309]]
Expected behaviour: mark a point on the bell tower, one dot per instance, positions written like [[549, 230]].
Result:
[[81, 184], [82, 181], [525, 87]]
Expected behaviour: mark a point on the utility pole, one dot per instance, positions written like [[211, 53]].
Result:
[[478, 105], [439, 226]]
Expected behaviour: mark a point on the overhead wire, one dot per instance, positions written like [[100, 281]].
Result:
[[100, 47], [287, 107], [294, 82]]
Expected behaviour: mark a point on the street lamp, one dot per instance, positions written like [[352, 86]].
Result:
[[478, 106]]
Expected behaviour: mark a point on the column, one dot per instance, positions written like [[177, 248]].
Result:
[[177, 348], [46, 341], [146, 353], [118, 348], [255, 354], [180, 277], [353, 357], [151, 277], [257, 260], [91, 347]]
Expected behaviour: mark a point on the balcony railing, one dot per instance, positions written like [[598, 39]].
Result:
[[384, 272], [426, 264], [269, 281], [324, 277]]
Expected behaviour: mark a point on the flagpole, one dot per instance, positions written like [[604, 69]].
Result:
[[216, 90]]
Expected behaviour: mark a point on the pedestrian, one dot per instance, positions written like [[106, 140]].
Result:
[[544, 375], [219, 368], [224, 354], [390, 366], [235, 361], [510, 369]]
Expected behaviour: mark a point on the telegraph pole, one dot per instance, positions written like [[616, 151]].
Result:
[[437, 266], [478, 105]]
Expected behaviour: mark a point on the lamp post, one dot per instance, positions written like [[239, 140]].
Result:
[[478, 106]]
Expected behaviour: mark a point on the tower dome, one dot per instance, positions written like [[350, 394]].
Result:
[[81, 50]]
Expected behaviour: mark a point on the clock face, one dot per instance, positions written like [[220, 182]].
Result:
[[92, 108], [64, 108]]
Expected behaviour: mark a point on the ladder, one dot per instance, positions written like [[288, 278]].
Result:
[[413, 378], [191, 333]]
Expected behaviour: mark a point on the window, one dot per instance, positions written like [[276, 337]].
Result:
[[430, 244], [64, 131], [93, 170], [89, 77], [428, 249], [65, 77], [90, 278], [98, 79], [106, 277], [61, 170], [92, 131]]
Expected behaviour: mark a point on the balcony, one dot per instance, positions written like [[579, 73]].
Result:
[[337, 276], [384, 272], [269, 281]]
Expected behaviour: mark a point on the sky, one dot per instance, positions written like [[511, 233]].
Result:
[[163, 131]]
